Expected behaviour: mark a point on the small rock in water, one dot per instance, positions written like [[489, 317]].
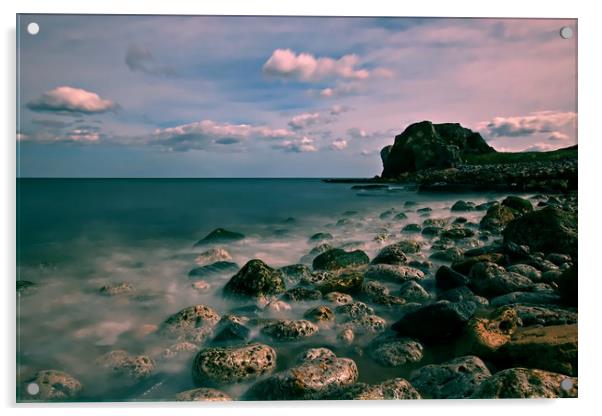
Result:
[[315, 377], [455, 379], [121, 363], [489, 279], [391, 350], [231, 328], [194, 324], [395, 389], [255, 279], [346, 336], [321, 237], [233, 364], [526, 270], [55, 385], [463, 206], [531, 315], [413, 292], [458, 233], [201, 286], [535, 298], [295, 273], [338, 298], [338, 259], [289, 330], [319, 314], [393, 273], [524, 383], [346, 281], [300, 293], [276, 305], [220, 235], [179, 350], [202, 394], [387, 214], [213, 269], [117, 289], [522, 206], [400, 216], [212, 255], [411, 228]]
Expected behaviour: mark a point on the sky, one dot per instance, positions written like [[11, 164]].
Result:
[[211, 96]]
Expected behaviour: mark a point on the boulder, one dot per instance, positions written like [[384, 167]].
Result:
[[463, 206], [489, 280], [531, 315], [320, 314], [454, 379], [117, 289], [526, 270], [320, 237], [411, 228], [426, 145], [448, 278], [217, 366], [122, 364], [203, 394], [535, 298], [295, 273], [450, 254], [255, 279], [551, 348], [518, 204], [338, 298], [301, 293], [318, 374], [413, 292], [549, 230], [290, 330], [462, 293], [457, 233], [231, 329], [392, 254], [220, 235], [393, 273], [337, 258], [524, 383], [345, 280], [56, 386], [354, 310], [497, 217], [436, 321], [194, 324], [484, 336], [464, 266], [395, 389], [391, 350]]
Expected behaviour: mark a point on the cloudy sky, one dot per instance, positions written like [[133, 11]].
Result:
[[150, 96]]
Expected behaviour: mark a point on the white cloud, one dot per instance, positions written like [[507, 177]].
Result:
[[556, 136], [210, 134], [339, 144], [539, 122], [361, 134], [541, 147], [304, 120], [299, 145], [66, 99], [304, 66]]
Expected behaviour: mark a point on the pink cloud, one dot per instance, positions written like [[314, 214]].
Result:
[[71, 100]]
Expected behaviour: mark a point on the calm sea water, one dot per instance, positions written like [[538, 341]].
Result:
[[76, 235]]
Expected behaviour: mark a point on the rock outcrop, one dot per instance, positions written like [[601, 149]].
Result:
[[426, 145]]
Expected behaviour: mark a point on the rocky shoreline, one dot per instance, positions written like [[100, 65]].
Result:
[[502, 303]]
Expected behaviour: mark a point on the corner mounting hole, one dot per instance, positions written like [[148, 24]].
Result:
[[566, 32], [33, 28], [566, 384], [33, 389]]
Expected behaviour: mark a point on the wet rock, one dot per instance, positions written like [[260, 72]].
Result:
[[203, 394], [413, 292], [484, 336], [535, 298], [450, 254], [454, 379], [393, 254], [232, 328], [321, 237], [217, 366], [526, 270], [121, 363], [411, 228], [558, 259], [295, 273], [275, 305], [460, 220], [568, 286], [400, 216], [201, 286], [338, 298], [551, 348], [194, 324], [320, 248], [354, 310], [302, 294], [424, 210], [431, 230], [437, 222], [522, 383], [337, 258], [391, 350], [369, 324], [117, 289], [179, 350], [551, 277], [395, 389], [518, 204], [382, 237], [458, 233], [289, 330], [319, 314], [448, 278], [489, 280], [220, 235], [543, 315], [436, 321], [486, 205], [465, 265], [212, 256], [56, 386], [255, 279], [346, 336], [463, 206], [387, 214], [550, 230], [346, 281], [497, 217], [374, 289], [315, 377], [393, 273], [213, 269], [462, 293]]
